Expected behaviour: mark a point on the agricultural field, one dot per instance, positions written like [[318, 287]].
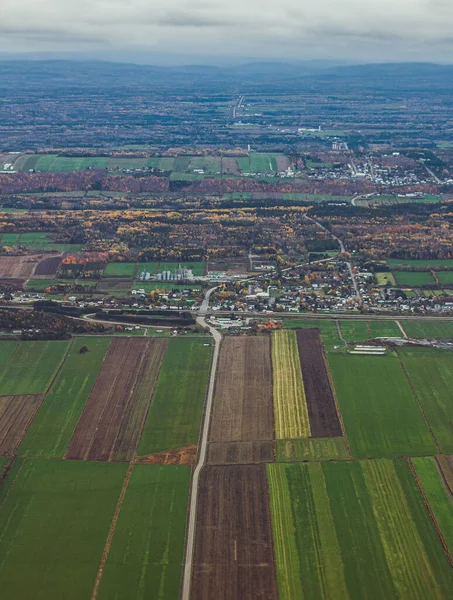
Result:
[[430, 372], [420, 264], [43, 534], [16, 414], [438, 496], [445, 277], [290, 405], [344, 529], [327, 328], [384, 329], [31, 366], [355, 331], [380, 413], [53, 426], [18, 267], [175, 413], [413, 278], [38, 285], [113, 418], [233, 547], [147, 549], [429, 329], [308, 449], [120, 269], [385, 279]]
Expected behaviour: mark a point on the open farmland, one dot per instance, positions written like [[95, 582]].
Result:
[[328, 329], [16, 414], [429, 329], [438, 496], [413, 278], [324, 421], [380, 413], [384, 329], [147, 549], [45, 545], [446, 467], [304, 449], [233, 548], [431, 374], [31, 367], [120, 269], [53, 426], [18, 267], [355, 331], [110, 425], [344, 529], [242, 413], [290, 406], [175, 413], [47, 267]]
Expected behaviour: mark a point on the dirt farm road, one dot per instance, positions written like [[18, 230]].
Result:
[[187, 579]]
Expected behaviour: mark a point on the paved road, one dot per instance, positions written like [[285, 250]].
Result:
[[203, 451]]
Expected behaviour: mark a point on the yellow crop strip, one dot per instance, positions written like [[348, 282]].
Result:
[[290, 405]]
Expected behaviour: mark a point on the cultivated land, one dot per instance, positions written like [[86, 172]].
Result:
[[233, 549], [46, 547], [311, 449], [16, 414], [429, 329], [290, 406], [112, 420], [242, 409], [354, 530], [18, 267], [147, 548], [355, 331], [175, 413], [120, 269], [413, 278], [380, 412], [322, 411], [328, 329], [431, 374], [31, 366], [53, 426]]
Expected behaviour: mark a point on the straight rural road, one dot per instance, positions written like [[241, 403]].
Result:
[[188, 565]]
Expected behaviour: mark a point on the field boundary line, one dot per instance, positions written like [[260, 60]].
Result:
[[402, 330], [111, 532], [337, 405], [430, 511], [6, 472], [94, 383], [49, 387], [415, 395], [444, 479]]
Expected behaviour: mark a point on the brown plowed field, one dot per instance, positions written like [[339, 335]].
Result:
[[243, 395], [114, 284], [322, 411], [230, 453], [16, 415], [111, 423], [234, 557], [176, 456], [18, 267], [230, 166], [48, 266]]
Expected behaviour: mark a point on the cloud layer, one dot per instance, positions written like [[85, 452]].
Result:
[[362, 29]]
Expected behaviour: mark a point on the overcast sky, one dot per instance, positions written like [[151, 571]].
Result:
[[358, 30]]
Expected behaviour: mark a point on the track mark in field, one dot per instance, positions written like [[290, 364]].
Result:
[[111, 532], [414, 393], [401, 329], [430, 511]]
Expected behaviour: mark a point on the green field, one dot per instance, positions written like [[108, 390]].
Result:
[[39, 285], [429, 329], [413, 279], [380, 413], [51, 431], [438, 497], [328, 329], [428, 264], [385, 278], [355, 331], [431, 374], [164, 163], [211, 165], [54, 524], [311, 449], [31, 368], [120, 269], [177, 406], [384, 329], [146, 556], [354, 530], [445, 277]]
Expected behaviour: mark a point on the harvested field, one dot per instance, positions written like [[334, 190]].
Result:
[[283, 162], [322, 411], [48, 266], [177, 456], [446, 466], [234, 555], [243, 395], [230, 166], [111, 424], [311, 449], [240, 452], [18, 267], [16, 414], [290, 405], [108, 285]]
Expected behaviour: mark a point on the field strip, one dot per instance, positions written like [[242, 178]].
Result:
[[430, 511], [111, 532], [334, 392], [401, 329], [439, 460], [6, 473], [414, 393]]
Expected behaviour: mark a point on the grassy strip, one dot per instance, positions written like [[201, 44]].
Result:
[[438, 497], [290, 405], [380, 413], [33, 367], [52, 429], [311, 449], [177, 406], [148, 545], [53, 525]]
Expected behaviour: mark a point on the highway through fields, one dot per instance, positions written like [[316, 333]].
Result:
[[191, 525]]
